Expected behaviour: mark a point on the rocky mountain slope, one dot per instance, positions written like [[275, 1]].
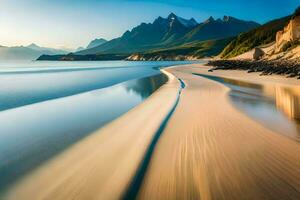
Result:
[[96, 42], [219, 28], [170, 32], [279, 39]]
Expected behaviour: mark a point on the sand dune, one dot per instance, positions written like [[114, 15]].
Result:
[[209, 150]]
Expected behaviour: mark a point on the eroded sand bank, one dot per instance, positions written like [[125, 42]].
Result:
[[209, 150]]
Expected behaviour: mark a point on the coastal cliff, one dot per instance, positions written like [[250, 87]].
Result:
[[281, 56], [290, 34], [276, 40], [287, 43]]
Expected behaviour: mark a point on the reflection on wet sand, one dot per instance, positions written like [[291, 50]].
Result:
[[146, 86], [36, 140], [267, 103], [102, 165], [288, 100], [210, 150]]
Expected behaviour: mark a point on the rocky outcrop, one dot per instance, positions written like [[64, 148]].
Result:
[[280, 57], [286, 46], [291, 33], [289, 68], [258, 53]]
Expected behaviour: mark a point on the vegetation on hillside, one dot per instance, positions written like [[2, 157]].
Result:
[[297, 12], [260, 36], [290, 45], [195, 49]]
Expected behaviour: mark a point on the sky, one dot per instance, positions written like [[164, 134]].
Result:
[[74, 23]]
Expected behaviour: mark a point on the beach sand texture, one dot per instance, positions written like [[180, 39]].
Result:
[[103, 164], [208, 150]]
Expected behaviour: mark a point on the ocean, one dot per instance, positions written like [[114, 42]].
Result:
[[47, 106]]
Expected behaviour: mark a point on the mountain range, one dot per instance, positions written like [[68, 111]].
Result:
[[168, 38], [30, 52], [96, 42], [33, 51], [170, 32], [92, 44]]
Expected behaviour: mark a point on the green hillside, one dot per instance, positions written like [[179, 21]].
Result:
[[262, 35], [196, 49]]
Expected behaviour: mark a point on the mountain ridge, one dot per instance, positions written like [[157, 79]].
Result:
[[96, 42], [46, 49], [170, 31], [29, 52]]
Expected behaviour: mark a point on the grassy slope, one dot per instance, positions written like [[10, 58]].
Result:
[[197, 49], [256, 37]]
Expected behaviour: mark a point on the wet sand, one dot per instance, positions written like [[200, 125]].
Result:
[[102, 165], [209, 150]]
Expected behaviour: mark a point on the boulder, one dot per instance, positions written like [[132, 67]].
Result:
[[258, 53]]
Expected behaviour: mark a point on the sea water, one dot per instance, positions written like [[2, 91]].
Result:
[[47, 106]]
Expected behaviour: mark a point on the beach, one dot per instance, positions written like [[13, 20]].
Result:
[[150, 100], [102, 166], [209, 150], [205, 149]]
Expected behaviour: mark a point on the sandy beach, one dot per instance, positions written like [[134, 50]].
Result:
[[102, 165], [207, 150]]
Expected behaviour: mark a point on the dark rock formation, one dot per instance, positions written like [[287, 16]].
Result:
[[258, 53], [288, 68]]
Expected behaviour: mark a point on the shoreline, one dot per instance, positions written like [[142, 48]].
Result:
[[211, 150], [107, 160], [201, 151], [137, 180], [243, 75]]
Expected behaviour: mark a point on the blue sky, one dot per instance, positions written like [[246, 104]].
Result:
[[73, 23]]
